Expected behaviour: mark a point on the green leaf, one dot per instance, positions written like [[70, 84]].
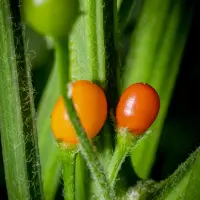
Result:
[[154, 57], [145, 42], [48, 149], [176, 185], [79, 57], [192, 190], [179, 190], [124, 14], [17, 119], [119, 2]]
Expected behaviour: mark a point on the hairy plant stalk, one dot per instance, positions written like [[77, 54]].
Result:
[[17, 120], [62, 56]]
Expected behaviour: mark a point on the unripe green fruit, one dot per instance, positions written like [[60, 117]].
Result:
[[51, 17]]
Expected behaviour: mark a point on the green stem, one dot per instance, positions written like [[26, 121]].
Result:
[[100, 43], [105, 145], [18, 126], [108, 14], [68, 171], [125, 143], [92, 42], [82, 182], [107, 54], [62, 56]]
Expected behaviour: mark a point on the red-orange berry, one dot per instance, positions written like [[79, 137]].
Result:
[[138, 108]]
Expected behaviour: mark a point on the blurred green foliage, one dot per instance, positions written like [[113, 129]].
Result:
[[180, 134]]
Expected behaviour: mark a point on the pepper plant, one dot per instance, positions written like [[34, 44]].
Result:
[[87, 38]]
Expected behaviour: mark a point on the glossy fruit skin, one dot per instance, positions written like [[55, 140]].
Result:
[[137, 108], [91, 107], [50, 17]]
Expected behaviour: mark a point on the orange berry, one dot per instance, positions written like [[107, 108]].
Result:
[[91, 106], [138, 108]]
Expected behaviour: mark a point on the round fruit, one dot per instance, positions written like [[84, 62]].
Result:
[[91, 107], [50, 17], [138, 108]]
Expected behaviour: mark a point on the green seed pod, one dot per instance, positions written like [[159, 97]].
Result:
[[51, 17]]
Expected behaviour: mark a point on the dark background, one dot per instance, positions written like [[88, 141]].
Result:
[[181, 131]]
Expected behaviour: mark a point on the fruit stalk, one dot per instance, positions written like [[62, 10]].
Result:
[[126, 142]]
